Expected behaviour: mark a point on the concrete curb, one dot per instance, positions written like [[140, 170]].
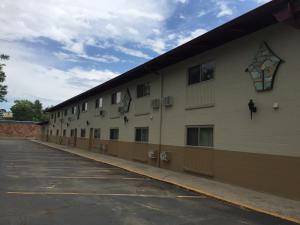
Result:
[[197, 190]]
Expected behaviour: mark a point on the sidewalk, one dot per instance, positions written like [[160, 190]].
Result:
[[262, 202]]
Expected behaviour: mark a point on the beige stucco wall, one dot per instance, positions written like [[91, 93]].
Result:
[[270, 132], [148, 117]]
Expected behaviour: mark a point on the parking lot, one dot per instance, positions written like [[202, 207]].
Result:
[[44, 186]]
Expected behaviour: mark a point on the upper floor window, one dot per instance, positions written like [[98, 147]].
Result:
[[116, 98], [97, 133], [82, 133], [58, 114], [142, 90], [74, 108], [114, 134], [200, 136], [142, 134], [201, 73], [99, 103], [65, 112], [84, 106]]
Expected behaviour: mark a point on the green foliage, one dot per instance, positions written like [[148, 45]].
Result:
[[24, 110], [3, 88]]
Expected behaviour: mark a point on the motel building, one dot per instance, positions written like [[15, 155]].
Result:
[[225, 106]]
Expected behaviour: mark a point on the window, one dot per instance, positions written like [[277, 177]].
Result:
[[82, 133], [142, 134], [116, 98], [200, 136], [58, 114], [66, 112], [84, 106], [201, 73], [72, 133], [74, 108], [51, 132], [114, 134], [57, 132], [142, 90], [64, 132], [99, 103], [52, 116], [97, 133]]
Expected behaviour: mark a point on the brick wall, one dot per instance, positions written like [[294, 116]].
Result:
[[20, 129]]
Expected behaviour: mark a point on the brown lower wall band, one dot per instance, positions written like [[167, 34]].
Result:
[[273, 174]]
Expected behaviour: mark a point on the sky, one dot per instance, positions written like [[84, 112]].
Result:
[[60, 48]]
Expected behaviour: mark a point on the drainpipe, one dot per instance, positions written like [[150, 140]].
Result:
[[161, 113], [61, 136], [161, 110]]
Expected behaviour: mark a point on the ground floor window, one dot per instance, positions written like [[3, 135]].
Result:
[[142, 134], [72, 133], [114, 134], [200, 136], [57, 132], [97, 133], [64, 132], [82, 133]]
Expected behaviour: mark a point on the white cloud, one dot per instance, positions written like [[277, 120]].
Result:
[[202, 13], [182, 1], [132, 52], [28, 76], [157, 45], [261, 1], [76, 23], [224, 9], [181, 39]]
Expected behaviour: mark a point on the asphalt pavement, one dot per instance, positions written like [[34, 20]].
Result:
[[40, 185]]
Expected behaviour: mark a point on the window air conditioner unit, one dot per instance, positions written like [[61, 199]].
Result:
[[121, 109], [152, 154], [165, 156], [168, 101], [102, 113], [155, 103]]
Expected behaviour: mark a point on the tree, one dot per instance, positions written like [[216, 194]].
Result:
[[3, 88], [24, 110]]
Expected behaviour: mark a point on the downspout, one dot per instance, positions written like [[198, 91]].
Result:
[[61, 134], [161, 114], [161, 108]]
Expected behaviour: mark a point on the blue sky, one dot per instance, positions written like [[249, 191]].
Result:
[[61, 48]]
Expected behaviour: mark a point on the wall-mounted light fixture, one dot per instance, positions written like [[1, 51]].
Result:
[[252, 107], [126, 120]]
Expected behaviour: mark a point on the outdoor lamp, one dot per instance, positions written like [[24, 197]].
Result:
[[252, 107], [126, 120]]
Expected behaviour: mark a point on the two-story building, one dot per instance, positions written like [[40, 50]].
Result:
[[224, 105]]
